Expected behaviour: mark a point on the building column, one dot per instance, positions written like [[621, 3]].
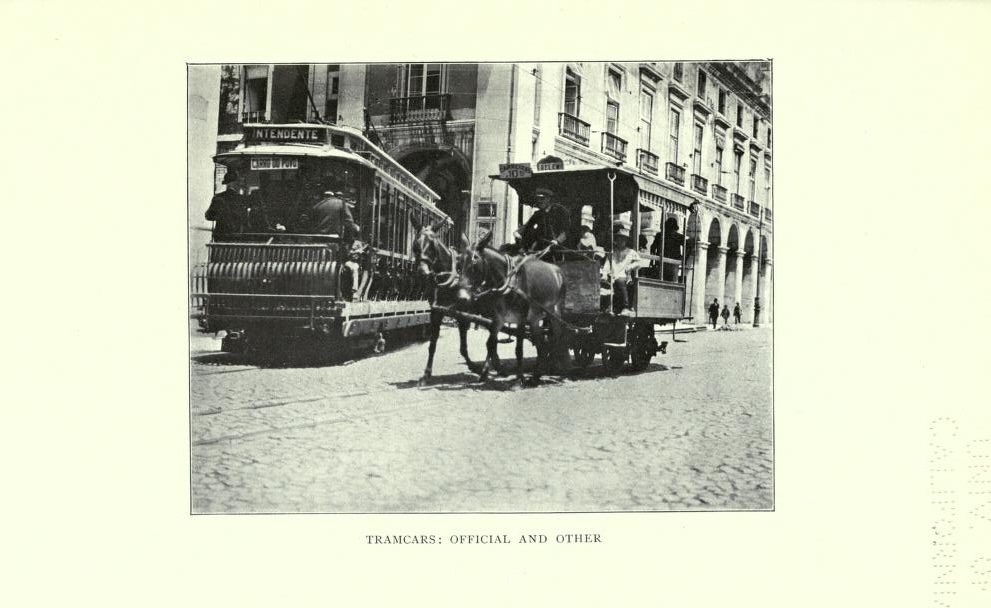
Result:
[[738, 280], [748, 289], [766, 296], [698, 282], [762, 291], [720, 291]]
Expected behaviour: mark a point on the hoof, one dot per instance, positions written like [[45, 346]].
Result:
[[423, 381]]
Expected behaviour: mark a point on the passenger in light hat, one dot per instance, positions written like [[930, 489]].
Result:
[[620, 266]]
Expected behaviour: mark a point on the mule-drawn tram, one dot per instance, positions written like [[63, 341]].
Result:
[[600, 196], [276, 275], [596, 198]]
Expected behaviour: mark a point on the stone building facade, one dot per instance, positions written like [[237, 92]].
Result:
[[695, 132]]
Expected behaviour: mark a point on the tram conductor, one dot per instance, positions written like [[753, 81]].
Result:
[[229, 209], [548, 226]]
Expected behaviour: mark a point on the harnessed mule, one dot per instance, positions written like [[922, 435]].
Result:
[[527, 294], [434, 259]]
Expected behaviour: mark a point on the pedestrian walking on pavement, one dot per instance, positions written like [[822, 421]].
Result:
[[725, 315], [714, 312], [737, 313]]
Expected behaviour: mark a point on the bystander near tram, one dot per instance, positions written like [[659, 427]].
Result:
[[312, 243]]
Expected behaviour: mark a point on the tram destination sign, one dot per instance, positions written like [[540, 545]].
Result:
[[267, 163], [307, 135], [515, 170]]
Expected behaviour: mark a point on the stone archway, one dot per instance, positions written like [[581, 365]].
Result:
[[715, 272], [749, 276], [447, 172], [732, 287]]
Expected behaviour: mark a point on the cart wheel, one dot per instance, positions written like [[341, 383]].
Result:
[[643, 347], [614, 358], [639, 360], [583, 356]]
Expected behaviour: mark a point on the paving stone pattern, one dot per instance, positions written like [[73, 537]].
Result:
[[692, 432]]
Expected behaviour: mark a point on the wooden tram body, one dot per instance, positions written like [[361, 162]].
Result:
[[275, 283], [657, 292]]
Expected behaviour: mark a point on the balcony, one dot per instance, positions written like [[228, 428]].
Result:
[[614, 146], [421, 108], [738, 202], [646, 161], [255, 116], [767, 215], [700, 184], [574, 128], [675, 174], [754, 209], [719, 193]]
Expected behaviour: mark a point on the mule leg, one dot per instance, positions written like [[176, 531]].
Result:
[[490, 349], [435, 319], [463, 327], [520, 333], [541, 342]]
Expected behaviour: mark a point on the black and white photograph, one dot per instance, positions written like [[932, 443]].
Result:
[[481, 287], [485, 304]]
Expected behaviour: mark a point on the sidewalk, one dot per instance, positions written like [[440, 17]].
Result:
[[691, 327]]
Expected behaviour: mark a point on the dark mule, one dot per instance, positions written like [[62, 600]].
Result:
[[534, 291], [434, 259]]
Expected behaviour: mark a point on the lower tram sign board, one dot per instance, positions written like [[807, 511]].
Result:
[[262, 163]]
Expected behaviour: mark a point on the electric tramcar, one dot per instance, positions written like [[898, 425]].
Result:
[[273, 280]]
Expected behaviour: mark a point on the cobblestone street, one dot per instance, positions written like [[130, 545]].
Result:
[[692, 432]]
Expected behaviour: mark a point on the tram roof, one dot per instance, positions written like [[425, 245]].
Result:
[[293, 150], [589, 185], [316, 148]]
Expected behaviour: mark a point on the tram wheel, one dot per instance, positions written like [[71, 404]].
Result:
[[614, 358], [583, 356], [643, 347]]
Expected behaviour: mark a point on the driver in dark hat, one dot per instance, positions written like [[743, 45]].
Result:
[[228, 209], [548, 225]]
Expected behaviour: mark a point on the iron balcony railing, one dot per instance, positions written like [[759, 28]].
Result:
[[754, 209], [255, 116], [700, 184], [646, 161], [421, 108], [675, 174], [719, 193], [738, 201], [574, 128], [614, 146]]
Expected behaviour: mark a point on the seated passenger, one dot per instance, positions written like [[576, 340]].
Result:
[[619, 267], [586, 242], [329, 214]]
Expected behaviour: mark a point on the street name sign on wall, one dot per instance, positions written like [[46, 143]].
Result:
[[515, 170]]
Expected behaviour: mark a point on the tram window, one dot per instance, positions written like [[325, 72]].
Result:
[[401, 225], [383, 218], [393, 219], [337, 140]]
